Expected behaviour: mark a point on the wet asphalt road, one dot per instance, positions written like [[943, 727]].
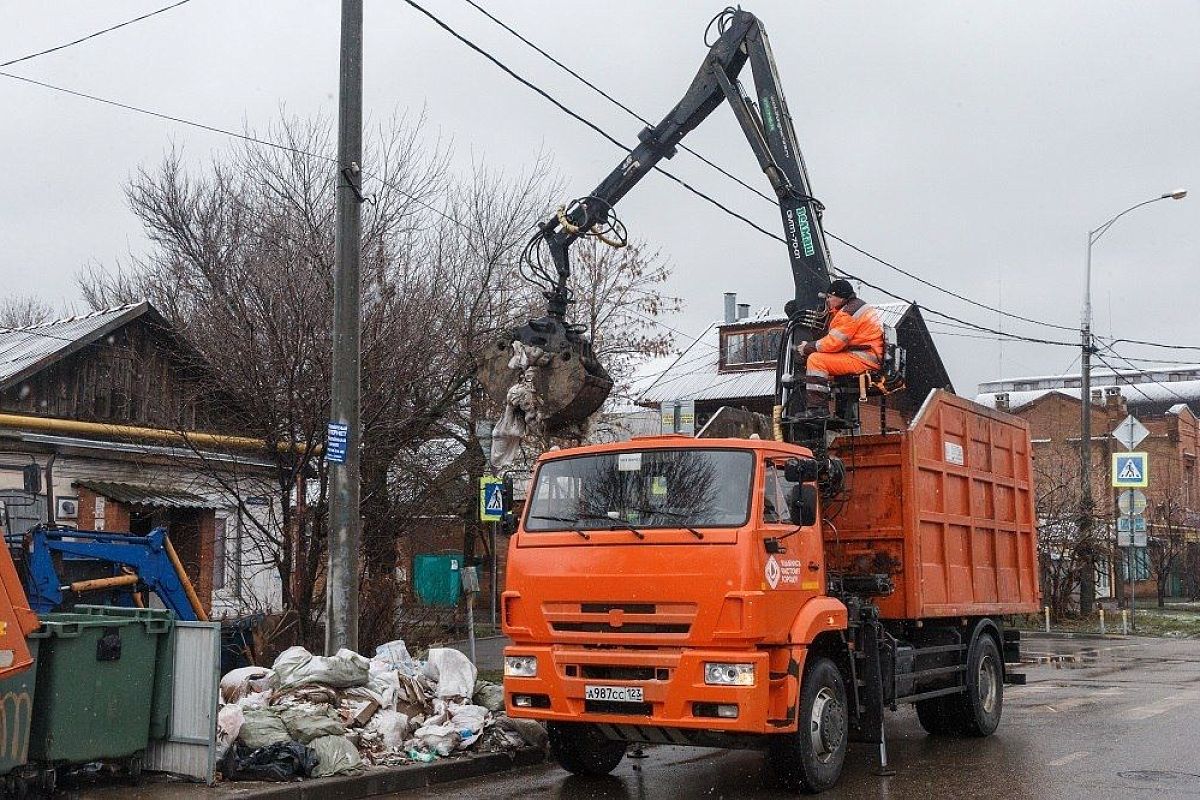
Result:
[[1097, 720]]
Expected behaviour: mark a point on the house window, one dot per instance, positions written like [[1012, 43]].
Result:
[[227, 554], [750, 348]]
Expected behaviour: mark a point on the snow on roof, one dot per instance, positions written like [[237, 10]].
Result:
[[25, 350], [695, 374], [1180, 393]]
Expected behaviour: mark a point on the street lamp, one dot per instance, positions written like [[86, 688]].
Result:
[[1085, 426]]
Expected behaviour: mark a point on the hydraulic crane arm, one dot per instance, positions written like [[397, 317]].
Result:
[[767, 125], [572, 384]]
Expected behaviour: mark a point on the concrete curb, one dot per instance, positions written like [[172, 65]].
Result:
[[397, 779]]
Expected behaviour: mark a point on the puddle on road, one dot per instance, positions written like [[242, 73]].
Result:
[[1161, 777], [1087, 657]]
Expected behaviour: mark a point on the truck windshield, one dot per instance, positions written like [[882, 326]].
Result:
[[643, 489]]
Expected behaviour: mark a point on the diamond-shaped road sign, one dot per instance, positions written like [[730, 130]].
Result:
[[1130, 432]]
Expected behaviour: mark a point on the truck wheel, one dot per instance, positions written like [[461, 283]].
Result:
[[811, 758], [984, 700], [583, 749], [977, 711]]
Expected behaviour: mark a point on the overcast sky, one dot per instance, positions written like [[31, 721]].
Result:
[[973, 144]]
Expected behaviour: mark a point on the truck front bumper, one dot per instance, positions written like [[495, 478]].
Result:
[[675, 697]]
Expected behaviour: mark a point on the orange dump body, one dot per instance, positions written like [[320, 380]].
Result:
[[946, 508]]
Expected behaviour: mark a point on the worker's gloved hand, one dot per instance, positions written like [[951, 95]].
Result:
[[804, 348]]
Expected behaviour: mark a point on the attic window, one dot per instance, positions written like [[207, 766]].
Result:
[[742, 349]]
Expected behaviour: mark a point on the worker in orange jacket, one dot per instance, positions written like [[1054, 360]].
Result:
[[854, 345]]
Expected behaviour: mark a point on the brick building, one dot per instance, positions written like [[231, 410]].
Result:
[[1166, 402], [104, 405]]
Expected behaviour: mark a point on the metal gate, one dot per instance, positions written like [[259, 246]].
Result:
[[24, 510]]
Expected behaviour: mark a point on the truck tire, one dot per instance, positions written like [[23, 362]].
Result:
[[583, 749], [811, 759], [975, 712]]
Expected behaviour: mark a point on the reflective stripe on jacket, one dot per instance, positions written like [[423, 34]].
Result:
[[855, 329]]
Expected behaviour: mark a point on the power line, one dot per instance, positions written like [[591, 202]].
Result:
[[82, 39], [593, 126], [1119, 376], [740, 182]]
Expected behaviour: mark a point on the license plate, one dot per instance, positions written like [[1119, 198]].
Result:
[[615, 694]]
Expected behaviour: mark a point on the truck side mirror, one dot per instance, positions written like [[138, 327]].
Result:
[[508, 523], [804, 505], [800, 470]]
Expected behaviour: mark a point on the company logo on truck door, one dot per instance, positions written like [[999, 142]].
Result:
[[785, 570]]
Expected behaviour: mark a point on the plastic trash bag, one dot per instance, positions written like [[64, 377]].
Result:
[[469, 721], [530, 730], [240, 682], [395, 655], [454, 673], [489, 695], [441, 739], [281, 761], [262, 727], [335, 755], [229, 724], [391, 727], [305, 722], [297, 667]]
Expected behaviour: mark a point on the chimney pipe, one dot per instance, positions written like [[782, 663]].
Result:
[[730, 307], [743, 310], [1002, 402]]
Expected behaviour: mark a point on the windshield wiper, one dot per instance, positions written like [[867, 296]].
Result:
[[618, 525], [673, 515], [572, 520]]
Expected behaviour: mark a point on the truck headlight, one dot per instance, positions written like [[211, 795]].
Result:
[[718, 674], [520, 666]]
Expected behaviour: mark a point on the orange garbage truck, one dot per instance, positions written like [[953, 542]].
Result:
[[713, 592]]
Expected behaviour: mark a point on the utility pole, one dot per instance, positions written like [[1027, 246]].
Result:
[[1087, 583], [345, 522]]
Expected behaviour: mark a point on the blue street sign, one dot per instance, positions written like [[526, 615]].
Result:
[[491, 499], [1130, 470], [1131, 524], [337, 437]]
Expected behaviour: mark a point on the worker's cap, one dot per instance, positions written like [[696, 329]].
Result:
[[840, 288]]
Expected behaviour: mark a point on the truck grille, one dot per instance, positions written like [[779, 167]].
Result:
[[620, 618], [618, 673]]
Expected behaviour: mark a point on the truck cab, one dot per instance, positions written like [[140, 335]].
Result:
[[668, 589]]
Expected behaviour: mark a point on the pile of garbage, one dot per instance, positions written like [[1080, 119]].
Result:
[[315, 716]]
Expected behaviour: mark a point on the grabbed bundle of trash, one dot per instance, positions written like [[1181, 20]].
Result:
[[313, 716]]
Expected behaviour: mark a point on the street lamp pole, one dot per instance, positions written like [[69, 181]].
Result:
[[1087, 587]]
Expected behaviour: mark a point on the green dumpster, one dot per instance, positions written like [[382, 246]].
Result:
[[95, 686], [16, 712], [164, 662]]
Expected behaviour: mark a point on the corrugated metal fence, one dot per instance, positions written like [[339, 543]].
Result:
[[190, 748]]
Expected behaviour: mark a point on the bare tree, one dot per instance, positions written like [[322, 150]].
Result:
[[242, 266], [21, 312], [1064, 555], [1171, 523]]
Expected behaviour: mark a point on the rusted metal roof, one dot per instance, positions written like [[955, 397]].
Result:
[[141, 495], [24, 351]]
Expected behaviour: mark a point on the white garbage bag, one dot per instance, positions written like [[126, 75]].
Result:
[[297, 667], [441, 739], [452, 671], [395, 655], [242, 681], [469, 721], [391, 727], [229, 724], [522, 405]]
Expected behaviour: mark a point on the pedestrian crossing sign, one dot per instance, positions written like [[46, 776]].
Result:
[[1130, 470], [491, 499]]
